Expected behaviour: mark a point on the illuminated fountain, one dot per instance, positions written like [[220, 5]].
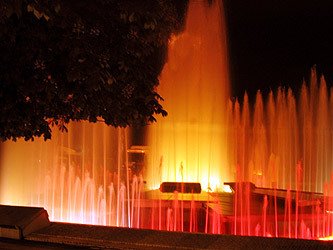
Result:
[[275, 158], [78, 177], [286, 144], [191, 143]]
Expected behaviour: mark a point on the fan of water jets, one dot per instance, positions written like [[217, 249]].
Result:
[[282, 131], [282, 142]]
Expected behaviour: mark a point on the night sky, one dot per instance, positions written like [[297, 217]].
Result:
[[276, 42]]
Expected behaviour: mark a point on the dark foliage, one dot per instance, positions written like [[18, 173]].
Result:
[[96, 60]]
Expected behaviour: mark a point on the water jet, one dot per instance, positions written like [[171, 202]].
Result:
[[258, 171]]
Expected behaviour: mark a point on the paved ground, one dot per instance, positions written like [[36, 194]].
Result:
[[123, 238], [8, 244], [75, 236]]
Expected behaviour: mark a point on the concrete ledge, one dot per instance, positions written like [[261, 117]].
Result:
[[31, 229], [11, 244], [125, 238], [17, 222]]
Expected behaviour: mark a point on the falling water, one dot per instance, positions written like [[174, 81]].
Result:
[[277, 154], [190, 144], [79, 177], [282, 131]]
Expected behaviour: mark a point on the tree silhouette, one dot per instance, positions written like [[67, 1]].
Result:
[[96, 60]]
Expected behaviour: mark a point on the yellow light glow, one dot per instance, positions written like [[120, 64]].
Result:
[[227, 189], [329, 238], [190, 144]]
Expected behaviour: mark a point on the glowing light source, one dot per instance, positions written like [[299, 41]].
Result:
[[227, 189], [329, 238]]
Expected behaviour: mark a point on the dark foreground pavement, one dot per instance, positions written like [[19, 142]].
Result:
[[29, 228], [75, 236]]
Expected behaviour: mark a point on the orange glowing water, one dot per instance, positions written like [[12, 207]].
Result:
[[283, 141], [283, 130], [190, 144], [75, 176]]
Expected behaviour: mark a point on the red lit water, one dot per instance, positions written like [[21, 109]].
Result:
[[283, 145]]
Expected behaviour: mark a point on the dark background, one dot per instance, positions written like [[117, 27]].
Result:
[[276, 42]]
